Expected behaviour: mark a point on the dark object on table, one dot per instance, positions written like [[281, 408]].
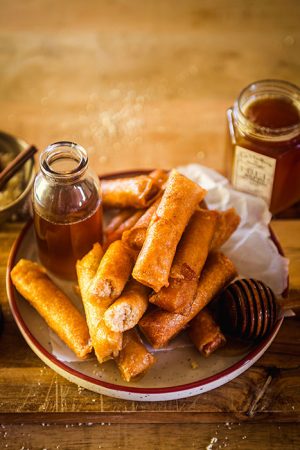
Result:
[[249, 309]]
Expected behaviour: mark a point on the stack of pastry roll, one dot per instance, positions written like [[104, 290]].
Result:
[[188, 262], [160, 326], [174, 237], [102, 279], [178, 203], [161, 249], [106, 343]]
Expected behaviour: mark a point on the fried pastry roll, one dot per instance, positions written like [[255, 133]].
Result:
[[127, 310], [194, 246], [188, 262], [106, 343], [227, 223], [31, 280], [127, 224], [175, 209], [135, 237], [176, 296], [113, 272], [137, 192], [205, 333], [134, 359], [160, 326], [118, 219], [159, 177]]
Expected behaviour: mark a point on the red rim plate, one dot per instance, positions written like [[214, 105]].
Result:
[[251, 356]]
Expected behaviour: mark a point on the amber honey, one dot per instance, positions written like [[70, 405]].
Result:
[[60, 245], [264, 143], [273, 112]]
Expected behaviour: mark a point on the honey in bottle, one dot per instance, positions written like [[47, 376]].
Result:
[[264, 142], [67, 208]]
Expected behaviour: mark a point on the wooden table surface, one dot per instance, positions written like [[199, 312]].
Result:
[[143, 84]]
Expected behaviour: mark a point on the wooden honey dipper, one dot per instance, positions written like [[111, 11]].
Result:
[[249, 308]]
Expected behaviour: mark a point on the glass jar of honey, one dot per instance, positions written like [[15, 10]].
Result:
[[264, 142], [67, 208]]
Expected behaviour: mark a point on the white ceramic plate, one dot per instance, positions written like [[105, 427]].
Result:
[[178, 373]]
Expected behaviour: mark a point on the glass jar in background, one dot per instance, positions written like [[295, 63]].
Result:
[[67, 208], [264, 142]]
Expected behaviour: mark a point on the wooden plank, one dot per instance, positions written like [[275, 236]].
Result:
[[260, 389], [152, 417], [151, 436]]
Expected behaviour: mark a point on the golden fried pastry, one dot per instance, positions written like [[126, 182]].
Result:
[[205, 333], [127, 224], [31, 280], [106, 343], [189, 260], [128, 309], [160, 326], [137, 192], [118, 219], [112, 274], [227, 223], [135, 237], [177, 205], [134, 359]]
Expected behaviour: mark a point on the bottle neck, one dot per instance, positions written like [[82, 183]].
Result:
[[64, 162]]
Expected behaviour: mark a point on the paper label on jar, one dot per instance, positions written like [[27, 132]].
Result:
[[253, 173]]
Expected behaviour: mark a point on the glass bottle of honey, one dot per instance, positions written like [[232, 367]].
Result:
[[264, 142], [67, 207]]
